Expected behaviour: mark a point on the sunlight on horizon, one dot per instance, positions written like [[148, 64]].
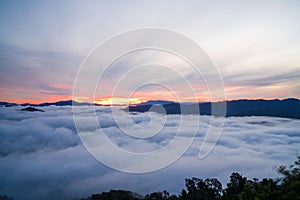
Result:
[[118, 101]]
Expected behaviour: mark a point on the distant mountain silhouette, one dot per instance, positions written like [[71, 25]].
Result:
[[32, 109], [287, 108], [157, 102], [7, 104], [60, 103]]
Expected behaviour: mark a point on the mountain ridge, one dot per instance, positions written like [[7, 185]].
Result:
[[286, 108], [149, 102]]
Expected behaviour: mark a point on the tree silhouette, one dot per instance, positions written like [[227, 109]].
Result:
[[290, 187], [197, 189], [239, 188]]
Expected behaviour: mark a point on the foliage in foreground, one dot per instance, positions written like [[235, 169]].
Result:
[[238, 188]]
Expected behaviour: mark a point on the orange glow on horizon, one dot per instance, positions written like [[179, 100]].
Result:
[[37, 101], [107, 101]]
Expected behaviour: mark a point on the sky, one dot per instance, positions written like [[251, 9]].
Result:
[[255, 46], [42, 157]]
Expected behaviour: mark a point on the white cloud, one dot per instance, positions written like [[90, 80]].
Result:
[[41, 155]]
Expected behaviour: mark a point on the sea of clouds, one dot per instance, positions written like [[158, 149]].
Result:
[[42, 156]]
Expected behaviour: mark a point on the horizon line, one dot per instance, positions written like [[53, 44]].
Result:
[[226, 100]]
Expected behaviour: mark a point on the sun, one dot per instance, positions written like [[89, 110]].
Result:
[[111, 101]]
